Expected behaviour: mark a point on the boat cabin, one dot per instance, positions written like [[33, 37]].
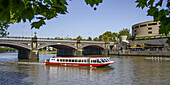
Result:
[[79, 60]]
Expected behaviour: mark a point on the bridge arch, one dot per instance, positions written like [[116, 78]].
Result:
[[64, 50], [58, 44], [16, 46], [93, 50], [23, 51]]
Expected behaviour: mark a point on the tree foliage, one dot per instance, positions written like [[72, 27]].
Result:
[[3, 29], [35, 11], [125, 32], [7, 49], [158, 13], [96, 39], [89, 39], [108, 36], [79, 38]]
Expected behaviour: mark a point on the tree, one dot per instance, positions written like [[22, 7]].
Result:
[[108, 36], [124, 32], [79, 38], [158, 13], [89, 39], [95, 39], [35, 11]]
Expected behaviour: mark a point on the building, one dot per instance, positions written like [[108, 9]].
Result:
[[146, 36], [145, 29], [145, 40]]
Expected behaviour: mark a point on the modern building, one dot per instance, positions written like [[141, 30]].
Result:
[[145, 40], [145, 29], [146, 36]]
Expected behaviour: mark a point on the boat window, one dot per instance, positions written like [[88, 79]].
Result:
[[90, 61], [69, 60], [57, 60], [105, 60], [75, 60], [66, 60], [98, 61], [85, 60], [94, 61], [108, 59], [72, 60], [52, 59], [102, 60], [61, 60], [79, 60]]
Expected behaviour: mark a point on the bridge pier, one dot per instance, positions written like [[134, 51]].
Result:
[[32, 54], [78, 52], [28, 54]]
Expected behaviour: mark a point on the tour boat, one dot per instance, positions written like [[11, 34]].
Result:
[[79, 61]]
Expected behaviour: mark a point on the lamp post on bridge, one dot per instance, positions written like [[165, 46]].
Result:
[[34, 51]]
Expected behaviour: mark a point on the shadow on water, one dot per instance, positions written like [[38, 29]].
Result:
[[13, 78]]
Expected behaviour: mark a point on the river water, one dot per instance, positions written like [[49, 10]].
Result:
[[127, 70]]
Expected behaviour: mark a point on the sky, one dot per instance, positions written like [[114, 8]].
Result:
[[83, 20]]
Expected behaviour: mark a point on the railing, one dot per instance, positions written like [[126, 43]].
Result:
[[52, 39]]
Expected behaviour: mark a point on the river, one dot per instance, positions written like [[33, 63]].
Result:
[[127, 70]]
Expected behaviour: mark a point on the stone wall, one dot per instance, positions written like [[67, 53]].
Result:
[[141, 53]]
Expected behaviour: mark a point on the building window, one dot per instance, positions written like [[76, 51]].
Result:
[[143, 25], [150, 28], [152, 24], [137, 27], [135, 30], [150, 32]]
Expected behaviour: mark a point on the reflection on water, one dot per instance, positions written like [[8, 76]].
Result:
[[127, 70]]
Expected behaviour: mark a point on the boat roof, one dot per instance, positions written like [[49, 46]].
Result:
[[82, 57]]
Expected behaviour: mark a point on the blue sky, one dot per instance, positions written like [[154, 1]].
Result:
[[111, 15]]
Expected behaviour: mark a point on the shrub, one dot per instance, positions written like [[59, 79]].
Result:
[[135, 38], [149, 37], [144, 38], [161, 36]]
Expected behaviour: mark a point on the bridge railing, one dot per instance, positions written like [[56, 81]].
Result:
[[52, 39], [16, 37]]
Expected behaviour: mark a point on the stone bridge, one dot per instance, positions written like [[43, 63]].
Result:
[[28, 47]]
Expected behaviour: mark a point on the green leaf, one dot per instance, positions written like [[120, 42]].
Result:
[[142, 3], [93, 2], [63, 2], [152, 11], [165, 26], [151, 2], [159, 3], [38, 24], [47, 1]]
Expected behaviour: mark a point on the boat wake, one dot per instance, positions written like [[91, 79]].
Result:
[[29, 63]]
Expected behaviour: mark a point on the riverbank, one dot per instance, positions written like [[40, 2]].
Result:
[[141, 53]]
